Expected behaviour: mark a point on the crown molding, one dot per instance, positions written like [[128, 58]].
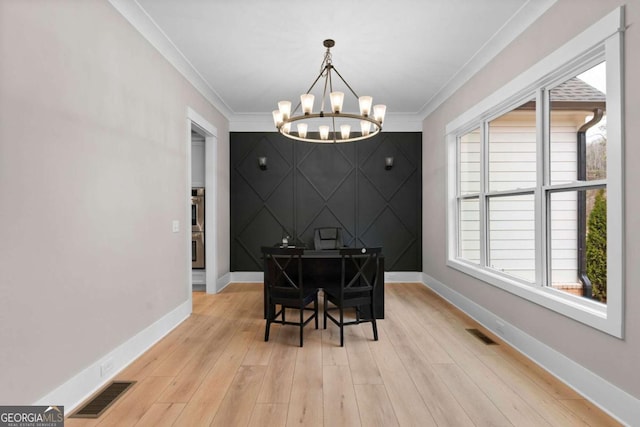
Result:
[[262, 122], [147, 27], [526, 15]]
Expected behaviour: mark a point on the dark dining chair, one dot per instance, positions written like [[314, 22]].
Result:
[[359, 278], [327, 238], [284, 288]]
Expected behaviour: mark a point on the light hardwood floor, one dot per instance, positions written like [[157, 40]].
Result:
[[425, 370]]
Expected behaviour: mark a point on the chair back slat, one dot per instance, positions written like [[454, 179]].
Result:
[[359, 269], [283, 268]]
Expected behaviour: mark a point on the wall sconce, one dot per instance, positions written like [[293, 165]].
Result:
[[388, 163], [262, 162]]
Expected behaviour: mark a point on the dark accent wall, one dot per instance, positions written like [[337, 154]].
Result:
[[308, 185]]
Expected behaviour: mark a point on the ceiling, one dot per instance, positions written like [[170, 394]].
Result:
[[246, 55]]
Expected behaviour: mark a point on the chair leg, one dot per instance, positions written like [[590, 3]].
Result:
[[315, 310], [268, 326], [373, 323], [301, 324], [325, 311], [341, 327]]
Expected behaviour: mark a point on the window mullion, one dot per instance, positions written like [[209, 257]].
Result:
[[542, 178], [458, 199], [482, 200]]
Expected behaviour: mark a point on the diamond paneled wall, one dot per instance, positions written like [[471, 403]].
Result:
[[306, 186]]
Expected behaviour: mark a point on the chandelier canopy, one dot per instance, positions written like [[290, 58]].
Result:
[[334, 126]]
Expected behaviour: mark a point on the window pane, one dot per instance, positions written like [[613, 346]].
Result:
[[579, 242], [470, 162], [469, 245], [578, 127], [512, 235], [512, 149]]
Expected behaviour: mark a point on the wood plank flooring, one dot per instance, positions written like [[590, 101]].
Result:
[[216, 370]]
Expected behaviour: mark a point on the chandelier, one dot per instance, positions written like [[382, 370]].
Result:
[[335, 125]]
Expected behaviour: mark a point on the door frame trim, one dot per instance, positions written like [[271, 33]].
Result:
[[210, 199]]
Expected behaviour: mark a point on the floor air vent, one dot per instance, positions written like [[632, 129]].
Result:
[[482, 337], [101, 401]]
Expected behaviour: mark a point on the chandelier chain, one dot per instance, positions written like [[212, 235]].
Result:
[[326, 61]]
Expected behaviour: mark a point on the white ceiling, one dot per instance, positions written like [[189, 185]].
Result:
[[407, 54]]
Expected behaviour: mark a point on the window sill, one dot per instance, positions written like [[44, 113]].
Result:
[[588, 312]]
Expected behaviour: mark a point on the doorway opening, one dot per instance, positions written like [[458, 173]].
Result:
[[199, 226], [202, 188]]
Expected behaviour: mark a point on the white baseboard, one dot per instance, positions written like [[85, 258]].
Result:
[[78, 388], [611, 399], [223, 282], [402, 276], [199, 277], [247, 276]]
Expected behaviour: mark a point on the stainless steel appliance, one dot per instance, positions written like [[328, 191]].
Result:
[[197, 228]]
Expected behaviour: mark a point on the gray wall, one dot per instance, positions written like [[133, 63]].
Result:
[[613, 359], [326, 185], [93, 169]]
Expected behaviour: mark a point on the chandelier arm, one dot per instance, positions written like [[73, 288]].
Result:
[[330, 79], [309, 90], [324, 92], [345, 82], [315, 81], [297, 106]]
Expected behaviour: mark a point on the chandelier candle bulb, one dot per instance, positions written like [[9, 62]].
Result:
[[306, 101], [365, 127], [285, 109], [277, 117], [302, 130], [379, 112], [337, 98], [324, 132], [344, 131], [287, 127], [365, 105]]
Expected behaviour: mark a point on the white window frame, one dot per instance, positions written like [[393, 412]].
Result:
[[602, 41]]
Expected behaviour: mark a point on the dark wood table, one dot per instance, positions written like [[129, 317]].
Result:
[[322, 269]]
